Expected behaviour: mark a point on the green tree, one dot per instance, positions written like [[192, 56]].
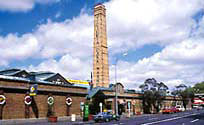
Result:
[[186, 94], [153, 94], [199, 87]]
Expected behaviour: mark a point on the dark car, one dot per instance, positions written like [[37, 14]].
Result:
[[105, 116]]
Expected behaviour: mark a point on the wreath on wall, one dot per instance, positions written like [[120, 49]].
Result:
[[2, 99], [28, 100], [68, 101], [50, 100]]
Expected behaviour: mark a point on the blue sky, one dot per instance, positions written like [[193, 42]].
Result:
[[27, 21], [163, 40]]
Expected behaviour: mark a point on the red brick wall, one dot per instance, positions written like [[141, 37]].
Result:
[[15, 106]]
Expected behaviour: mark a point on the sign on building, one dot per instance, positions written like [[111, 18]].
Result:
[[33, 90]]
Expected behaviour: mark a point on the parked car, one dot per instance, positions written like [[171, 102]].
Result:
[[166, 110], [174, 109], [199, 107], [105, 116], [169, 110], [180, 108]]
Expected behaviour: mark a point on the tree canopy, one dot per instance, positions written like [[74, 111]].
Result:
[[185, 93], [154, 94], [199, 87]]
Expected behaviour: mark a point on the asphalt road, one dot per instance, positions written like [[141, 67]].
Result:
[[193, 117]]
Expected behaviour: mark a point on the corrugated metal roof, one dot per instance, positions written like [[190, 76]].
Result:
[[9, 71], [40, 77]]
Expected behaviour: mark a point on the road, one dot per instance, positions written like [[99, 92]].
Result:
[[193, 117]]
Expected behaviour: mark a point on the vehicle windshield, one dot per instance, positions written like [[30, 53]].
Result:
[[101, 113]]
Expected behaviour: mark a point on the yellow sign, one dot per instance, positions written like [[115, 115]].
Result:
[[78, 82], [33, 90]]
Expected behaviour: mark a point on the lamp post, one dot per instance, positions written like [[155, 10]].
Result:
[[116, 87]]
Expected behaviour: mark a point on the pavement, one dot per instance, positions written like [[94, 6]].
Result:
[[66, 120], [193, 117]]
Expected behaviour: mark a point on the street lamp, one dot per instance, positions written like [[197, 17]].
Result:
[[116, 87]]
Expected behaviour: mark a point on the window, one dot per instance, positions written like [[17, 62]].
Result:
[[24, 75]]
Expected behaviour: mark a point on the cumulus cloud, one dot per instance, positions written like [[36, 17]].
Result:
[[134, 23], [51, 40], [130, 25], [72, 36], [175, 64], [69, 66], [21, 5], [17, 48]]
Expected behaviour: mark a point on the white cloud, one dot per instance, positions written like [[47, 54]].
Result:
[[72, 36], [176, 63], [133, 23], [17, 5], [130, 24], [58, 14], [50, 40], [17, 48], [68, 66], [21, 5]]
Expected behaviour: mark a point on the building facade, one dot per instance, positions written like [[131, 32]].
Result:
[[100, 48], [15, 87], [129, 102], [16, 84]]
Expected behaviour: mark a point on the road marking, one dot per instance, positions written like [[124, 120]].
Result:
[[174, 115], [195, 120], [169, 119], [153, 118]]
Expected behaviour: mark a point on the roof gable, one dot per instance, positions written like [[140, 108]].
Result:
[[9, 71], [57, 79], [14, 72]]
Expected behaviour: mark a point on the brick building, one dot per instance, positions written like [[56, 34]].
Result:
[[15, 85], [106, 96]]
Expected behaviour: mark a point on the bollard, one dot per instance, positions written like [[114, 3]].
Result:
[[73, 118]]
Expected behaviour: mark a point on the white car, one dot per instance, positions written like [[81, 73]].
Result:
[[180, 108], [199, 107]]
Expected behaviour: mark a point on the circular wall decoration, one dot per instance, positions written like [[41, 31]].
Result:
[[28, 100], [2, 99], [68, 101], [50, 100]]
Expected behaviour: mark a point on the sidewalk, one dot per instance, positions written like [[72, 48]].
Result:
[[37, 120], [67, 119]]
